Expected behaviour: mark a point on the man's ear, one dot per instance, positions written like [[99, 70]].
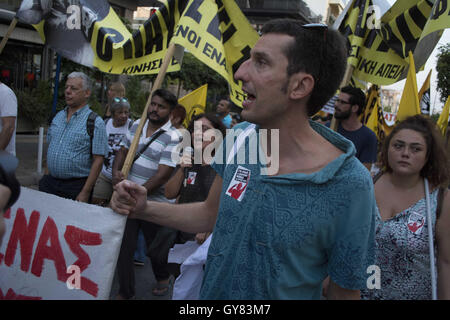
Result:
[[87, 94], [355, 108], [301, 85]]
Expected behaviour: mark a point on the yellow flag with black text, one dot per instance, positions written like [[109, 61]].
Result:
[[381, 57], [218, 34], [372, 96], [194, 103], [90, 33], [409, 103]]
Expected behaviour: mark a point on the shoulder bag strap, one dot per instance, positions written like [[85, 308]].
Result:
[[155, 136]]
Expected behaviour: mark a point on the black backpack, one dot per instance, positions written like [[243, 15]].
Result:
[[90, 126]]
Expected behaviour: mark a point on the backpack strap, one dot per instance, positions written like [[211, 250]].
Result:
[[90, 126]]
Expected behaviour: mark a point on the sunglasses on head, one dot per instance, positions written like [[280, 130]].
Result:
[[119, 99], [323, 28]]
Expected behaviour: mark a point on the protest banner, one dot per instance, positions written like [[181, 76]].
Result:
[[58, 249], [90, 33], [379, 52]]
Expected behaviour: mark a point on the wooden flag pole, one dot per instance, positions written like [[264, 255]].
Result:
[[8, 34], [347, 77], [157, 84]]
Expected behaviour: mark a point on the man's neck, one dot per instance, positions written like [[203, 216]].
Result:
[[222, 115], [152, 127], [300, 148], [72, 109], [351, 124]]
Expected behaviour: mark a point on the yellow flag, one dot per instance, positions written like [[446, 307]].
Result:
[[409, 103], [372, 96], [218, 34], [424, 96], [194, 103], [443, 118], [372, 122]]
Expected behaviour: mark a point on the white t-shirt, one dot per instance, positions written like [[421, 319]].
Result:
[[115, 135], [8, 108]]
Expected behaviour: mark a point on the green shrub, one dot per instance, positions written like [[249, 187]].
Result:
[[35, 104]]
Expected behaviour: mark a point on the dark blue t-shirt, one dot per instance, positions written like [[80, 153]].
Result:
[[365, 142]]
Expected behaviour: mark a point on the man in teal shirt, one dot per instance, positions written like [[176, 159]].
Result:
[[280, 229]]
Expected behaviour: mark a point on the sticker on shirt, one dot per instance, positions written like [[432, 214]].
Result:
[[191, 178], [238, 185], [416, 222]]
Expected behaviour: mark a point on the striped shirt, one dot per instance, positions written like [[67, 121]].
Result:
[[159, 152], [69, 150]]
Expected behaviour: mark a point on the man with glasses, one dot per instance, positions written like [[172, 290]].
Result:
[[287, 230], [348, 107], [74, 158]]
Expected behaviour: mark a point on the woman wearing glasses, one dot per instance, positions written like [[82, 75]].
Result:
[[116, 128], [413, 159]]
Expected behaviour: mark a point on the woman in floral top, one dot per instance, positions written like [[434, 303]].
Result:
[[412, 153]]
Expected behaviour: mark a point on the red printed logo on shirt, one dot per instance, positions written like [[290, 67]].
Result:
[[238, 185], [191, 178], [416, 222]]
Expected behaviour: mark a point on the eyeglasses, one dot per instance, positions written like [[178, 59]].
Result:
[[324, 28], [118, 99], [342, 101]]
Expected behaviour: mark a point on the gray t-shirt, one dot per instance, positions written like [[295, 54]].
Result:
[[8, 108]]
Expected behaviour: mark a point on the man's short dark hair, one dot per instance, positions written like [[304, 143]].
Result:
[[357, 97], [168, 97], [305, 55], [227, 99]]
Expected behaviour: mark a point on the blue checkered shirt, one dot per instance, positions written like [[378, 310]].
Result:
[[69, 150]]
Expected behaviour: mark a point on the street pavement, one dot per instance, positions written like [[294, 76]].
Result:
[[28, 176]]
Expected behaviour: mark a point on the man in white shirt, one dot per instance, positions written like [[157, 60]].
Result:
[[8, 116]]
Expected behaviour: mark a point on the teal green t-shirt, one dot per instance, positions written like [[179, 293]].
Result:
[[278, 237]]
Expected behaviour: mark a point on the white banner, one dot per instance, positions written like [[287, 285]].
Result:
[[58, 249]]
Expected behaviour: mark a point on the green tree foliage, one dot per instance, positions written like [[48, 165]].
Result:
[[195, 73], [443, 69], [136, 95], [35, 104]]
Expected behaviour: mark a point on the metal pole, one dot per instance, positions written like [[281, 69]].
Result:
[[40, 150]]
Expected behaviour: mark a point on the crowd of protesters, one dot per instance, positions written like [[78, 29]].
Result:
[[311, 230]]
